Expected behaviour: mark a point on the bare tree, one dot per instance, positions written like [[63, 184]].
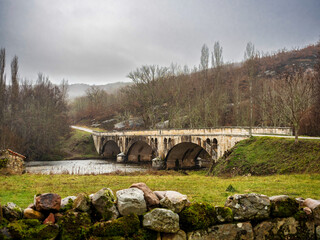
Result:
[[217, 59], [204, 59], [2, 95], [295, 91], [250, 57], [14, 86]]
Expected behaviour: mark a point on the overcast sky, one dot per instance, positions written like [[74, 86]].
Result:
[[99, 42]]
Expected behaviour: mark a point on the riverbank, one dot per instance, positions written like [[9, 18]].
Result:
[[78, 145], [200, 188], [270, 155]]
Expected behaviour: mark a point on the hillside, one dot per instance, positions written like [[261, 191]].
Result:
[[231, 94], [79, 89], [267, 155]]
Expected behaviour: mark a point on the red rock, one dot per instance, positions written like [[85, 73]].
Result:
[[150, 198], [48, 202], [50, 219]]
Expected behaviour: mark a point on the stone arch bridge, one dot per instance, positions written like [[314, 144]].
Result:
[[175, 148]]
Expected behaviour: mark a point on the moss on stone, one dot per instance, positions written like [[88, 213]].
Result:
[[68, 206], [3, 223], [144, 234], [286, 208], [300, 216], [224, 214], [32, 229], [74, 225], [3, 162], [197, 216], [125, 226]]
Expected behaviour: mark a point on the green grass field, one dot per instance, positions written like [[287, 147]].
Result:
[[269, 155], [198, 187]]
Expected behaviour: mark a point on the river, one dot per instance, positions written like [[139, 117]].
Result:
[[81, 167]]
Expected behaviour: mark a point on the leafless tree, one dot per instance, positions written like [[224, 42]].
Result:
[[295, 91]]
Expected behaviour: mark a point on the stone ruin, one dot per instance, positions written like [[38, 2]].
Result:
[[11, 162], [140, 213]]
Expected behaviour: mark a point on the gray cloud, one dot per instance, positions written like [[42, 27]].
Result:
[[102, 41]]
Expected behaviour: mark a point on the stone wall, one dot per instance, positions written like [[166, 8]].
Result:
[[11, 162], [140, 213]]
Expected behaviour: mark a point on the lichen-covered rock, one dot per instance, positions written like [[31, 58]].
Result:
[[32, 229], [82, 203], [74, 225], [224, 214], [67, 201], [103, 202], [231, 231], [314, 205], [197, 216], [250, 206], [130, 201], [174, 201], [180, 235], [124, 226], [12, 211], [29, 213], [161, 220], [283, 206], [151, 199], [284, 228], [48, 202]]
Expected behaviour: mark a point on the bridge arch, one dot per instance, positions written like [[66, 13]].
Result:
[[110, 149], [140, 151], [187, 155]]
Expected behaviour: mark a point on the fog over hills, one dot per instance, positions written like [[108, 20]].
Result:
[[79, 89]]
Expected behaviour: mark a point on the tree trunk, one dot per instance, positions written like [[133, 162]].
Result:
[[296, 130]]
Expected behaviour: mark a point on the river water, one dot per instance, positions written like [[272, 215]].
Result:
[[80, 167]]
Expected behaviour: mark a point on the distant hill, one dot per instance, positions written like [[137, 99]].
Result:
[[79, 89]]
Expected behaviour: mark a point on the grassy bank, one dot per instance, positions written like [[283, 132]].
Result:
[[79, 145], [21, 189], [267, 155]]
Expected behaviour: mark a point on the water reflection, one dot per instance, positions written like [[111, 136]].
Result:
[[80, 167]]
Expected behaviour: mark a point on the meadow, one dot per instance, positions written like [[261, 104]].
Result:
[[21, 189]]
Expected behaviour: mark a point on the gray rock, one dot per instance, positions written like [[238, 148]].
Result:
[[284, 228], [180, 235], [224, 232], [250, 206], [103, 202], [131, 200], [12, 211], [161, 220], [82, 202], [283, 206], [174, 201], [65, 200]]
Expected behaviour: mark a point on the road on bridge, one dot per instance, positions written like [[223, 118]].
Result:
[[255, 135]]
